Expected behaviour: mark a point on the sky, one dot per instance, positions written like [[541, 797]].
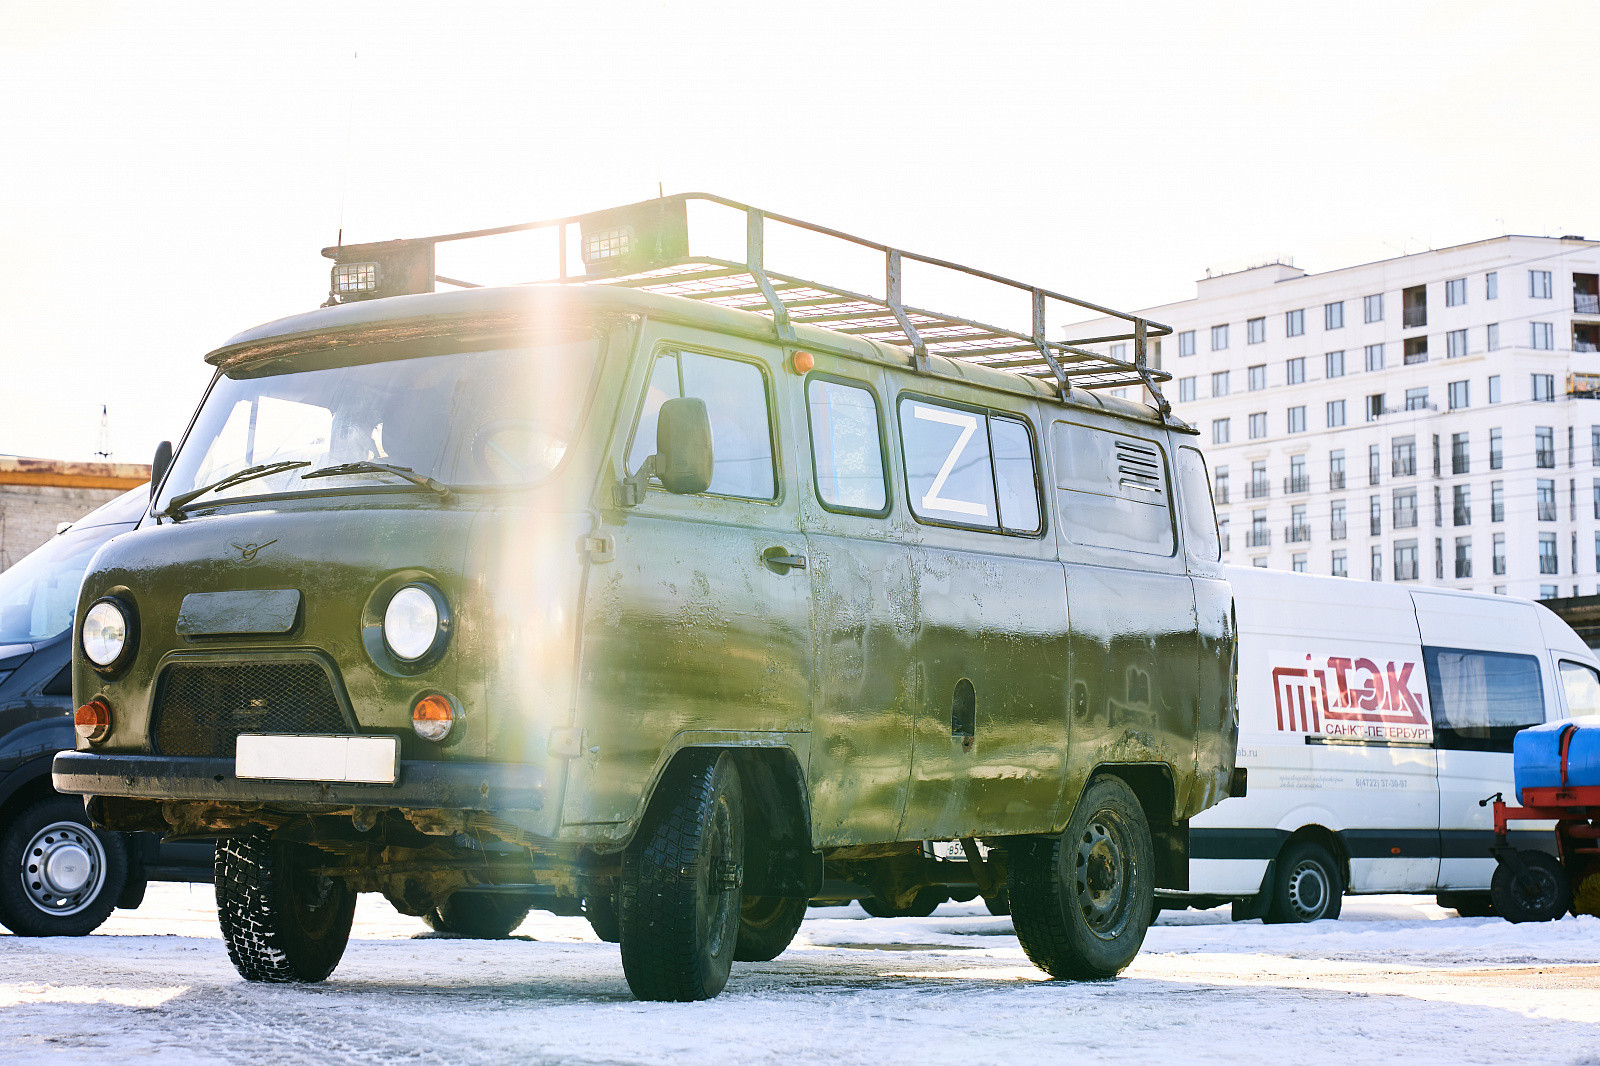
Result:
[[171, 169]]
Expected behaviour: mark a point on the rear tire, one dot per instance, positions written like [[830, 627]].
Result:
[[601, 910], [767, 925], [480, 915], [1544, 896], [926, 902], [1307, 887], [58, 876], [681, 883], [281, 923], [1080, 902], [999, 904]]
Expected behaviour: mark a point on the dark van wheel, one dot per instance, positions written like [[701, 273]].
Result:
[[484, 915], [58, 877], [999, 904], [680, 898], [281, 921], [767, 924], [1080, 902], [1467, 904], [1542, 895], [1308, 886], [600, 907]]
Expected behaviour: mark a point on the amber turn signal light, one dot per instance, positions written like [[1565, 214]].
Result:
[[93, 721], [432, 718]]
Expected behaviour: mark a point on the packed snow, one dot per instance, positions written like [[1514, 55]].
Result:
[[1397, 979]]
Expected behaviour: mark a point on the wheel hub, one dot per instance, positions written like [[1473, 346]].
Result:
[[1102, 878], [63, 868], [1308, 890]]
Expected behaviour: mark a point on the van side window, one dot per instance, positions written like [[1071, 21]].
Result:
[[846, 446], [1199, 513], [1582, 685], [954, 457], [741, 426], [1113, 490], [1481, 698]]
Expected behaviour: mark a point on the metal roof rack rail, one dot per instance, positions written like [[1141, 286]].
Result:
[[646, 246]]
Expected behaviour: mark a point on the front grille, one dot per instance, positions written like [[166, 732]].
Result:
[[201, 708]]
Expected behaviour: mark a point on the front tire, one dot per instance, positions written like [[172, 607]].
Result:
[[1080, 902], [480, 915], [1467, 904], [767, 925], [58, 876], [681, 883], [1542, 896], [281, 922], [1308, 887]]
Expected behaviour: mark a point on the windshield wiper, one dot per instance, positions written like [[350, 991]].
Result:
[[367, 466], [249, 473]]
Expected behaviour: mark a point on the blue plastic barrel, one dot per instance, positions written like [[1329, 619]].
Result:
[[1536, 755]]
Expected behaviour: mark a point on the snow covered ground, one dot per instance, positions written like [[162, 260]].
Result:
[[1397, 980]]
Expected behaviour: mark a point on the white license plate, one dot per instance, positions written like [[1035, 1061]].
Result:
[[298, 757]]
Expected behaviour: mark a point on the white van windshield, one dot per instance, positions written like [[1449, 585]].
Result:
[[500, 417]]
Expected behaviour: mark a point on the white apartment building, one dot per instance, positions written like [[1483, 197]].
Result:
[[1430, 418]]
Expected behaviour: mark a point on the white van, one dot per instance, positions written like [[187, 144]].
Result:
[[1373, 718]]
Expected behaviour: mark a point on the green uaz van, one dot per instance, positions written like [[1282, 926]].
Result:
[[678, 592]]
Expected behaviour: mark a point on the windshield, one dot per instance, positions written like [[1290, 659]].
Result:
[[39, 593], [502, 417]]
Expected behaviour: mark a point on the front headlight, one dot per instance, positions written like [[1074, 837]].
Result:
[[411, 623], [105, 633]]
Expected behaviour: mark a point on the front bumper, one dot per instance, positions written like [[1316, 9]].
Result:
[[423, 785]]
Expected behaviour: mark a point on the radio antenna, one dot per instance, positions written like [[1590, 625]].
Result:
[[105, 433]]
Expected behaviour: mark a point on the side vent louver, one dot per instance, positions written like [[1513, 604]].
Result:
[[1138, 466]]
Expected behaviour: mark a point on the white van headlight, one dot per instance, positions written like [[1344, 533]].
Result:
[[411, 623], [105, 633]]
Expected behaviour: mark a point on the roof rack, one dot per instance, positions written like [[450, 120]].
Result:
[[646, 246]]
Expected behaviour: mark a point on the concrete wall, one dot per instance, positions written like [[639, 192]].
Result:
[[37, 495]]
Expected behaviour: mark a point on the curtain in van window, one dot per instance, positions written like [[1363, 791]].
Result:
[[1481, 698]]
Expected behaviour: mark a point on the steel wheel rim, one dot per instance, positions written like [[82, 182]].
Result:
[[1103, 876], [719, 880], [1309, 890], [63, 868]]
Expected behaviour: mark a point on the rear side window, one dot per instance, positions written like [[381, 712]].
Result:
[[1582, 685], [846, 446], [969, 467], [735, 394], [1113, 490], [1199, 513], [1482, 698]]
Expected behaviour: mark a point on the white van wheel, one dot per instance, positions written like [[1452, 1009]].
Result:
[[1308, 886]]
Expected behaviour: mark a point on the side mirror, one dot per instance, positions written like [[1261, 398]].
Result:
[[158, 466], [683, 458]]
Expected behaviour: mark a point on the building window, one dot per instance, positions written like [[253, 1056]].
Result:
[[1539, 286], [1336, 523], [1333, 315], [1403, 453], [1462, 508], [1414, 307], [1374, 464], [1494, 388], [1186, 390], [1333, 365], [1294, 323], [1258, 377], [1372, 307], [1594, 445], [1336, 469], [1222, 531], [1405, 560], [1377, 563], [1544, 336], [1438, 511], [1459, 395], [1119, 352], [1500, 553], [1463, 555], [1255, 331], [1335, 413], [1186, 343], [1297, 562], [1416, 350], [1298, 480], [1219, 383], [1455, 344], [1259, 536], [1219, 431], [1258, 425], [1417, 399], [1259, 562], [1496, 456], [1375, 516], [1460, 460], [1404, 515], [1544, 388], [1497, 501], [1219, 493], [1436, 466], [1491, 286], [1545, 499], [1374, 357], [1297, 420], [1455, 292], [1219, 338], [1296, 371], [1258, 480], [1548, 564], [1547, 592], [1492, 336], [1340, 564]]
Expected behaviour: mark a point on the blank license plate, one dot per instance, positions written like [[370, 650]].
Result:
[[297, 757]]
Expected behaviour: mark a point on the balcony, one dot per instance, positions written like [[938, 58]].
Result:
[[1586, 303], [1227, 543], [1257, 538], [1297, 534], [1463, 516], [1405, 517], [1220, 493], [1405, 467], [1336, 480], [1415, 317], [1545, 458], [1292, 485], [1257, 490], [1336, 530]]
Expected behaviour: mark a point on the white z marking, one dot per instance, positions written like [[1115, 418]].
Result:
[[968, 425]]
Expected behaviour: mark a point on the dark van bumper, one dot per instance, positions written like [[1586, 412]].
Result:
[[427, 785]]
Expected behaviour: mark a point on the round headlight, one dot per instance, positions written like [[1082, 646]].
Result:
[[411, 623], [105, 633]]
